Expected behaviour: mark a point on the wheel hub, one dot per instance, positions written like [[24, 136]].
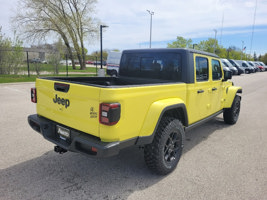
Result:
[[171, 147]]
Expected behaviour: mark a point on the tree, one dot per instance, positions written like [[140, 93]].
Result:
[[234, 54], [210, 45], [70, 19], [54, 58], [98, 55], [255, 57], [11, 54], [264, 58], [181, 43]]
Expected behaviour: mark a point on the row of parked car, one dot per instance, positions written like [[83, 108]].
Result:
[[243, 67], [63, 62]]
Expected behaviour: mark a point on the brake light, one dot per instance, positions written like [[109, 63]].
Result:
[[33, 95], [109, 113]]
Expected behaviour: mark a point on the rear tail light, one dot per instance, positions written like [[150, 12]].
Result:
[[33, 95], [109, 113]]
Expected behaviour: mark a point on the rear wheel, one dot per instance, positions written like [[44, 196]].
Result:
[[230, 115], [163, 154]]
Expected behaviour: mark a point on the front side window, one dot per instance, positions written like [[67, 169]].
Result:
[[216, 70], [202, 69]]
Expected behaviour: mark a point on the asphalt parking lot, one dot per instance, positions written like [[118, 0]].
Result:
[[219, 161]]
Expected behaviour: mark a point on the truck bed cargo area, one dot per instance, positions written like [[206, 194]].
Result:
[[108, 81]]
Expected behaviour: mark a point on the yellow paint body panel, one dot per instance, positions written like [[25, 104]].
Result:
[[82, 99], [136, 104], [154, 113], [231, 92]]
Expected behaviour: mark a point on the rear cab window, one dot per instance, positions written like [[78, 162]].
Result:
[[153, 65]]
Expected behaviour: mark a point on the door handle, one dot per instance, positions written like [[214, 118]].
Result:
[[213, 89], [200, 91]]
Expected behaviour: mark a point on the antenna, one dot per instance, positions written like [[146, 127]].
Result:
[[253, 26], [222, 28]]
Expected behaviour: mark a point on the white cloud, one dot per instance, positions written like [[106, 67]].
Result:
[[129, 21], [7, 8]]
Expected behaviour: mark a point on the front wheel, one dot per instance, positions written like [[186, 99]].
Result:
[[163, 154], [230, 115], [114, 73]]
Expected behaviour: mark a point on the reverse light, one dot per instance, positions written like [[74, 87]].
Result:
[[109, 113], [33, 95]]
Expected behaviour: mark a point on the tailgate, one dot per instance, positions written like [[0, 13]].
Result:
[[70, 104]]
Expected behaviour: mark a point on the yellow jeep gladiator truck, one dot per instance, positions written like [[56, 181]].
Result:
[[158, 95]]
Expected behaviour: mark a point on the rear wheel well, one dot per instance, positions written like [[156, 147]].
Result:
[[177, 113]]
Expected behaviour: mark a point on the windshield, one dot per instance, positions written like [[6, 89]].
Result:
[[245, 64], [114, 58], [235, 63], [250, 64], [225, 64]]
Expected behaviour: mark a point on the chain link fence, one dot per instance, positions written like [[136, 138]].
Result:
[[25, 61]]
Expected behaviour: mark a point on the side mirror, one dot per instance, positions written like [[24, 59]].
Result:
[[227, 75]]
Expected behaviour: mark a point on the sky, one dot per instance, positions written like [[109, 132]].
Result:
[[129, 23]]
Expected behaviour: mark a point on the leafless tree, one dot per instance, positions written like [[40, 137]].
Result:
[[71, 19]]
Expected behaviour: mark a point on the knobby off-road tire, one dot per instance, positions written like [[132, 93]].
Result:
[[163, 154], [230, 115]]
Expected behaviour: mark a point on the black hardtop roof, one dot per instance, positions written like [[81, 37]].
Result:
[[178, 50]]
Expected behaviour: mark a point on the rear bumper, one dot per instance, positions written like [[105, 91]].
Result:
[[79, 141], [112, 72]]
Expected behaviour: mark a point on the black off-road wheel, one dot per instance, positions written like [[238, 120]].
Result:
[[230, 115], [163, 154]]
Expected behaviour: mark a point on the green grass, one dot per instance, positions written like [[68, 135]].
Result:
[[45, 70], [16, 78], [25, 78]]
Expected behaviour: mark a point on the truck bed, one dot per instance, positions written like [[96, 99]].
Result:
[[108, 81], [74, 102]]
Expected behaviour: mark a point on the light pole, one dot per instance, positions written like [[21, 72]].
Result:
[[242, 49], [215, 30], [101, 51], [151, 13]]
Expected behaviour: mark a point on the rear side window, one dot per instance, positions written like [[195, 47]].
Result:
[[153, 65], [134, 63], [202, 69], [216, 70]]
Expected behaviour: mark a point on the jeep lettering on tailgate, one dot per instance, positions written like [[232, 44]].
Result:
[[64, 102]]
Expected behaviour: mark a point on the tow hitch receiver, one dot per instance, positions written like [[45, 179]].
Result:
[[59, 150]]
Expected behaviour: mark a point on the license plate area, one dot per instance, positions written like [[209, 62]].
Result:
[[63, 133]]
